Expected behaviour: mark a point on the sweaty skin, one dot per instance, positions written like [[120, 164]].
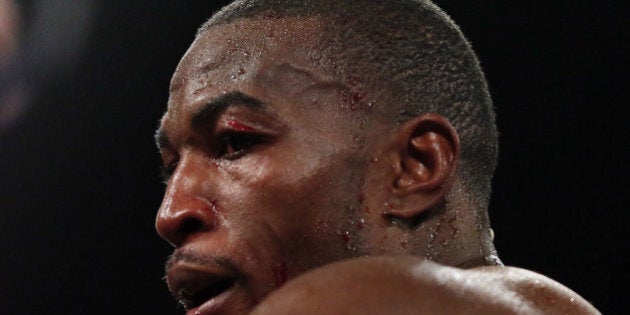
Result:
[[410, 285], [270, 175]]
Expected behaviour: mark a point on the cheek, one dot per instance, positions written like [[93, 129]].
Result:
[[302, 205]]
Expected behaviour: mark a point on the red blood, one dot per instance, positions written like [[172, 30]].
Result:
[[281, 273], [357, 96], [360, 224], [361, 197], [238, 126], [403, 244], [352, 97], [346, 237]]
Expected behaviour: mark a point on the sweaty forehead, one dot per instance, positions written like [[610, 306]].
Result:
[[245, 40], [271, 58]]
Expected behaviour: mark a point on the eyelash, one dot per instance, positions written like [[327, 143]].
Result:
[[233, 145], [167, 171], [230, 145]]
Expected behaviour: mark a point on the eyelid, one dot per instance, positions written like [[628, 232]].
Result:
[[240, 142], [234, 122], [231, 128]]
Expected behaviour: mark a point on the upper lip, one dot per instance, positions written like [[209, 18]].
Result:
[[192, 284]]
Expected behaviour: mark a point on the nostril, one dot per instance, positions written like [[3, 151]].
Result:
[[189, 226]]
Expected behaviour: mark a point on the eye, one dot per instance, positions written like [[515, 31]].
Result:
[[233, 145]]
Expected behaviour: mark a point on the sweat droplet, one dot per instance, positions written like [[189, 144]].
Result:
[[360, 223], [388, 207], [454, 229], [215, 206], [321, 226]]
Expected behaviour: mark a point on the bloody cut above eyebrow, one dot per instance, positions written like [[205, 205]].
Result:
[[214, 106]]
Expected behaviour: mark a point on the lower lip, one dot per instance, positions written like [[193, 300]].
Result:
[[214, 305]]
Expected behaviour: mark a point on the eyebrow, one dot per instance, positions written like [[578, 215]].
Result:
[[220, 103], [209, 111]]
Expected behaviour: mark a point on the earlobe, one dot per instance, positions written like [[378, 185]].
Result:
[[428, 151]]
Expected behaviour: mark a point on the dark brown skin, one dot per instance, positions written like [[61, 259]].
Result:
[[270, 182]]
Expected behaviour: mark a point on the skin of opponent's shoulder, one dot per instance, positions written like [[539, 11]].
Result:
[[412, 285], [538, 293]]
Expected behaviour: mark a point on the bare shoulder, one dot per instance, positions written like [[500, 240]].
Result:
[[536, 292], [411, 285]]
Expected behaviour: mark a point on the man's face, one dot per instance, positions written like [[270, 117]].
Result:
[[266, 167]]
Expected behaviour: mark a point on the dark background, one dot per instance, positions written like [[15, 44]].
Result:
[[79, 182]]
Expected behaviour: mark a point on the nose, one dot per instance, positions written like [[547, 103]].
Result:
[[185, 210]]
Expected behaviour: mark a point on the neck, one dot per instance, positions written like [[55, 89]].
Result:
[[459, 233]]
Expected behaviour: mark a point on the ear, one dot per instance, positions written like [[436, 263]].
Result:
[[427, 151]]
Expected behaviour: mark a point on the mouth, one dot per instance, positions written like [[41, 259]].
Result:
[[194, 285]]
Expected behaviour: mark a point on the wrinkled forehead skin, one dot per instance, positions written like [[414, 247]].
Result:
[[272, 56]]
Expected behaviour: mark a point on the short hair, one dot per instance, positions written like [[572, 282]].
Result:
[[416, 53]]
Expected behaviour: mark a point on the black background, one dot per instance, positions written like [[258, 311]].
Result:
[[79, 182]]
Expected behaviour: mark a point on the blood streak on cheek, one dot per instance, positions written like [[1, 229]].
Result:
[[281, 274], [238, 126]]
